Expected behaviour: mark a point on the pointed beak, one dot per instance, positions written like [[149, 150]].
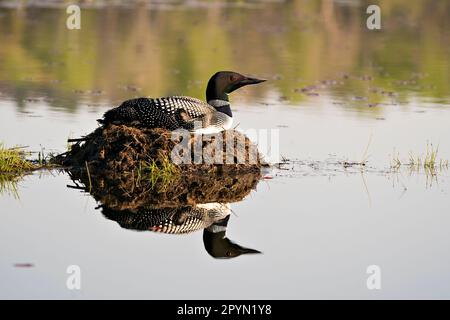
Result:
[[247, 81], [243, 250]]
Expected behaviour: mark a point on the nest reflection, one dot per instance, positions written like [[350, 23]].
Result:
[[194, 203]]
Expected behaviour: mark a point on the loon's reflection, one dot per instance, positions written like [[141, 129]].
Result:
[[212, 218], [218, 245], [190, 204]]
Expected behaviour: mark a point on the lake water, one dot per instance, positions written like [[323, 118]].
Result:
[[336, 93]]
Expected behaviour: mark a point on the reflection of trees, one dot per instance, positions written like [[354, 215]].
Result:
[[175, 51]]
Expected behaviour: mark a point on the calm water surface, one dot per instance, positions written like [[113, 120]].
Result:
[[335, 89]]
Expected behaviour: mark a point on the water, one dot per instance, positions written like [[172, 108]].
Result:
[[319, 225]]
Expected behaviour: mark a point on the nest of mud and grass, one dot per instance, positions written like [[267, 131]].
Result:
[[120, 149], [127, 167]]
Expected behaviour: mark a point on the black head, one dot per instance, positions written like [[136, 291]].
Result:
[[219, 246], [224, 82]]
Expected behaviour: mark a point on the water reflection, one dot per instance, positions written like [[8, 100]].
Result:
[[9, 184], [188, 206], [162, 50], [218, 245], [212, 218]]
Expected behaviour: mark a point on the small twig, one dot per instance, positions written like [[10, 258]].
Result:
[[89, 177], [75, 187], [18, 147], [78, 139], [364, 157]]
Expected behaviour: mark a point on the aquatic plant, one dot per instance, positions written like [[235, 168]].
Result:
[[429, 162], [13, 160], [365, 155], [395, 161]]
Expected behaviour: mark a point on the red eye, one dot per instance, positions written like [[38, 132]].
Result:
[[233, 78]]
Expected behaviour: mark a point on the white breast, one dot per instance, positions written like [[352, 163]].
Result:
[[227, 123]]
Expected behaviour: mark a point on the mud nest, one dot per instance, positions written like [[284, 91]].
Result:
[[127, 168], [122, 149]]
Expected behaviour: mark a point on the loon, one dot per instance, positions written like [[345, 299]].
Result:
[[184, 112]]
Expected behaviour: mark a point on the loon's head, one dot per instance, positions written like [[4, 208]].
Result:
[[224, 82], [219, 246]]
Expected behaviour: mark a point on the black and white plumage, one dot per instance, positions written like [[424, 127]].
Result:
[[170, 113], [184, 112], [180, 220], [212, 218]]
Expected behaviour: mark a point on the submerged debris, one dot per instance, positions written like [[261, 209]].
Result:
[[24, 265]]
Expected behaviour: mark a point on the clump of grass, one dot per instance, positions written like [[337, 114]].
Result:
[[152, 173], [430, 156], [395, 161], [414, 161], [443, 163], [429, 162], [13, 160]]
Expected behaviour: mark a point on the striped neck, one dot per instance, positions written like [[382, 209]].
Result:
[[221, 106]]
